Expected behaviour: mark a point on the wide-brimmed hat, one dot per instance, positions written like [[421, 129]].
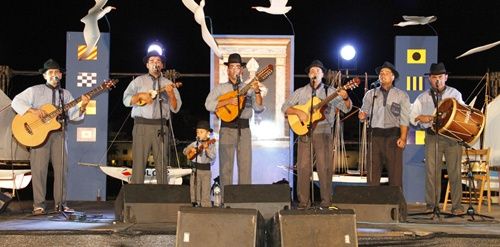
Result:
[[235, 58], [437, 69], [388, 66], [154, 53], [50, 64], [315, 63], [204, 125]]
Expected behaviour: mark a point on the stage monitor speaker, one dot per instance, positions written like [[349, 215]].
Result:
[[219, 227], [5, 199], [267, 198], [314, 228], [381, 204], [151, 203]]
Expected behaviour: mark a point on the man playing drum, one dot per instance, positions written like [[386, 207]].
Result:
[[422, 116]]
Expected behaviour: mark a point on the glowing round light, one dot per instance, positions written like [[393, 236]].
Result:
[[347, 52], [156, 47]]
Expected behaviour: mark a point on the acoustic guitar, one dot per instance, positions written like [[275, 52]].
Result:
[[301, 128], [154, 93], [31, 131], [230, 112], [195, 151]]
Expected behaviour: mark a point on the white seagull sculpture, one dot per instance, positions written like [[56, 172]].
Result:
[[416, 20], [91, 31], [199, 17], [479, 49], [278, 7]]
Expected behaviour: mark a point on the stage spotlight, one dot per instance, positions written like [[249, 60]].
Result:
[[346, 58], [156, 47], [347, 52]]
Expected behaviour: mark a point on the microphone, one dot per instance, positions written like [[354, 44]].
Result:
[[238, 79], [312, 78], [56, 78], [156, 67], [375, 83]]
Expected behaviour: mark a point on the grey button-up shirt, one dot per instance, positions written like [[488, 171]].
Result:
[[207, 156], [38, 95], [250, 103], [387, 113], [424, 105], [303, 95], [144, 84]]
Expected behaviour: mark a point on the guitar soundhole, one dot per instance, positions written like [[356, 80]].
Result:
[[28, 129]]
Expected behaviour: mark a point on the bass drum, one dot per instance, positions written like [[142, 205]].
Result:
[[459, 122]]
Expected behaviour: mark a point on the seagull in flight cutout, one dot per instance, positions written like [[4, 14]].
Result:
[[278, 7], [91, 31], [479, 49], [416, 20], [199, 17]]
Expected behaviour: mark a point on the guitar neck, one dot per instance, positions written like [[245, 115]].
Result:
[[92, 93], [244, 90], [326, 100]]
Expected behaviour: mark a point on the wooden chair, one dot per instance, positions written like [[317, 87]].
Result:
[[481, 177]]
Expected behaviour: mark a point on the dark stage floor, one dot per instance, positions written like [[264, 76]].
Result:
[[99, 228]]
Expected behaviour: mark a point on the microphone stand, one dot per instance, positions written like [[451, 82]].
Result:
[[62, 118], [310, 133], [371, 132], [161, 134]]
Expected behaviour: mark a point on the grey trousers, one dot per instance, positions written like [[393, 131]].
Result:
[[384, 152], [200, 187], [452, 152], [39, 159], [322, 146], [144, 139], [229, 143]]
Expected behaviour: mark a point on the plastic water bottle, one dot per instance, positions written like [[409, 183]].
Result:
[[217, 195]]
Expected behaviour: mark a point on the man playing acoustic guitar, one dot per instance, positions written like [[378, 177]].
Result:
[[235, 135], [31, 101], [322, 134]]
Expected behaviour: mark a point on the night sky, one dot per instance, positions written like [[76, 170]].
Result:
[[33, 31]]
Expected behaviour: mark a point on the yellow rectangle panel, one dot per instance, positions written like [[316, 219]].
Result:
[[408, 83], [416, 56], [91, 107], [419, 137], [420, 83], [414, 83]]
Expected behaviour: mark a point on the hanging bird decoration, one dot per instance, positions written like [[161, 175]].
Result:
[[479, 49], [91, 31], [416, 20], [199, 17], [278, 7]]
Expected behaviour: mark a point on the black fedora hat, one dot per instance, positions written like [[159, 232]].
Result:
[[202, 124], [235, 58], [388, 66], [437, 69], [154, 53], [50, 64], [315, 63]]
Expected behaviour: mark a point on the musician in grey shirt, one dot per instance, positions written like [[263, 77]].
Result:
[[322, 135], [235, 136], [143, 94], [389, 126], [31, 101], [422, 116]]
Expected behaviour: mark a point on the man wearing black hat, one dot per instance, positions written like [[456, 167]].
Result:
[[422, 116], [30, 101], [322, 134], [143, 94], [235, 136], [389, 107]]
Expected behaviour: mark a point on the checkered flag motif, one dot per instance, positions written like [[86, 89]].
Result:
[[86, 79]]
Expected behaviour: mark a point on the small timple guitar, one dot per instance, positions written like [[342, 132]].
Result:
[[195, 151], [153, 93], [31, 131], [230, 112], [301, 128]]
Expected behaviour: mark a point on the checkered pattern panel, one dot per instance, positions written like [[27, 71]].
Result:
[[86, 79]]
